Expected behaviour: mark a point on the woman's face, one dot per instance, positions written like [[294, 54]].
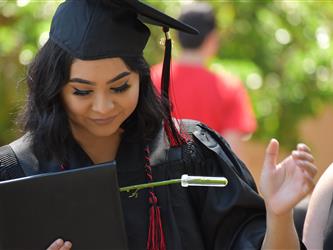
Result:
[[100, 96]]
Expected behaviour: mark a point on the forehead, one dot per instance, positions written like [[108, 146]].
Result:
[[89, 68]]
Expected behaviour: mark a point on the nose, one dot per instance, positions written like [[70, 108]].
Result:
[[102, 104]]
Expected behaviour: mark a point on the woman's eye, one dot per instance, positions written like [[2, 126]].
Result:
[[81, 92], [121, 88]]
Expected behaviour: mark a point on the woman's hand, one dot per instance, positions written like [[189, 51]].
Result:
[[283, 185], [59, 244]]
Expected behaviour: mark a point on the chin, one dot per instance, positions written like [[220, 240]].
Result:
[[105, 132]]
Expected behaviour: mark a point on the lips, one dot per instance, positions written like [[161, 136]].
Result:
[[103, 121]]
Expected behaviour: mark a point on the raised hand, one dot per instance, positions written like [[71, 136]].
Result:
[[59, 244], [283, 185]]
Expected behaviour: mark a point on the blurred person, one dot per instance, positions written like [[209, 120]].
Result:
[[218, 100], [318, 225]]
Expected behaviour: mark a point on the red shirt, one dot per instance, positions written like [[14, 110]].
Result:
[[220, 101]]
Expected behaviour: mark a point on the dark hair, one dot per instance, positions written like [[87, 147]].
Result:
[[150, 111], [45, 118], [200, 16]]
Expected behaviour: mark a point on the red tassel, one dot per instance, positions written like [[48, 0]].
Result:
[[156, 239], [172, 140]]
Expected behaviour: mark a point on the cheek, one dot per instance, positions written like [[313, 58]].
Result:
[[74, 109], [134, 98], [72, 106]]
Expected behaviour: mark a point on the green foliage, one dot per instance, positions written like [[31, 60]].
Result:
[[283, 53], [280, 49], [289, 43]]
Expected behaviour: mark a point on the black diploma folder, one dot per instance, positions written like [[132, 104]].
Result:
[[81, 205]]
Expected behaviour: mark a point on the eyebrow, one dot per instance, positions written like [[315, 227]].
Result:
[[114, 79]]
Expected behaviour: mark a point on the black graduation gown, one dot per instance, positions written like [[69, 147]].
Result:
[[232, 217]]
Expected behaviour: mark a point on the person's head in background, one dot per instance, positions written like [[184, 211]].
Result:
[[202, 17]]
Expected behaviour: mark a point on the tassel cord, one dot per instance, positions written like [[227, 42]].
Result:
[[156, 240]]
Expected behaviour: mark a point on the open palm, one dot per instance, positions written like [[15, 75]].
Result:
[[283, 185]]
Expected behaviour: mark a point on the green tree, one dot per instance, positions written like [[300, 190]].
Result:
[[24, 27]]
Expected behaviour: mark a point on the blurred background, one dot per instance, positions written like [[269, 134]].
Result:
[[282, 51]]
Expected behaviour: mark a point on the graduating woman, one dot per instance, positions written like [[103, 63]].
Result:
[[91, 100]]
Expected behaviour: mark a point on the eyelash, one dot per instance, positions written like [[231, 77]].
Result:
[[119, 89], [81, 92]]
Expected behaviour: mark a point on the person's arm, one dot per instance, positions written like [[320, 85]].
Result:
[[280, 232], [318, 211], [283, 186]]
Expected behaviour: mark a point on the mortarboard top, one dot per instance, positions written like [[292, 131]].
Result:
[[96, 29]]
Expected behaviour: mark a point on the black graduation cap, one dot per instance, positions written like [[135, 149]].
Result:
[[95, 29]]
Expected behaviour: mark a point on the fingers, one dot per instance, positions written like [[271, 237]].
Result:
[[59, 244], [309, 183], [302, 155], [309, 167], [303, 152], [56, 245], [304, 159], [272, 152], [303, 147], [67, 246]]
